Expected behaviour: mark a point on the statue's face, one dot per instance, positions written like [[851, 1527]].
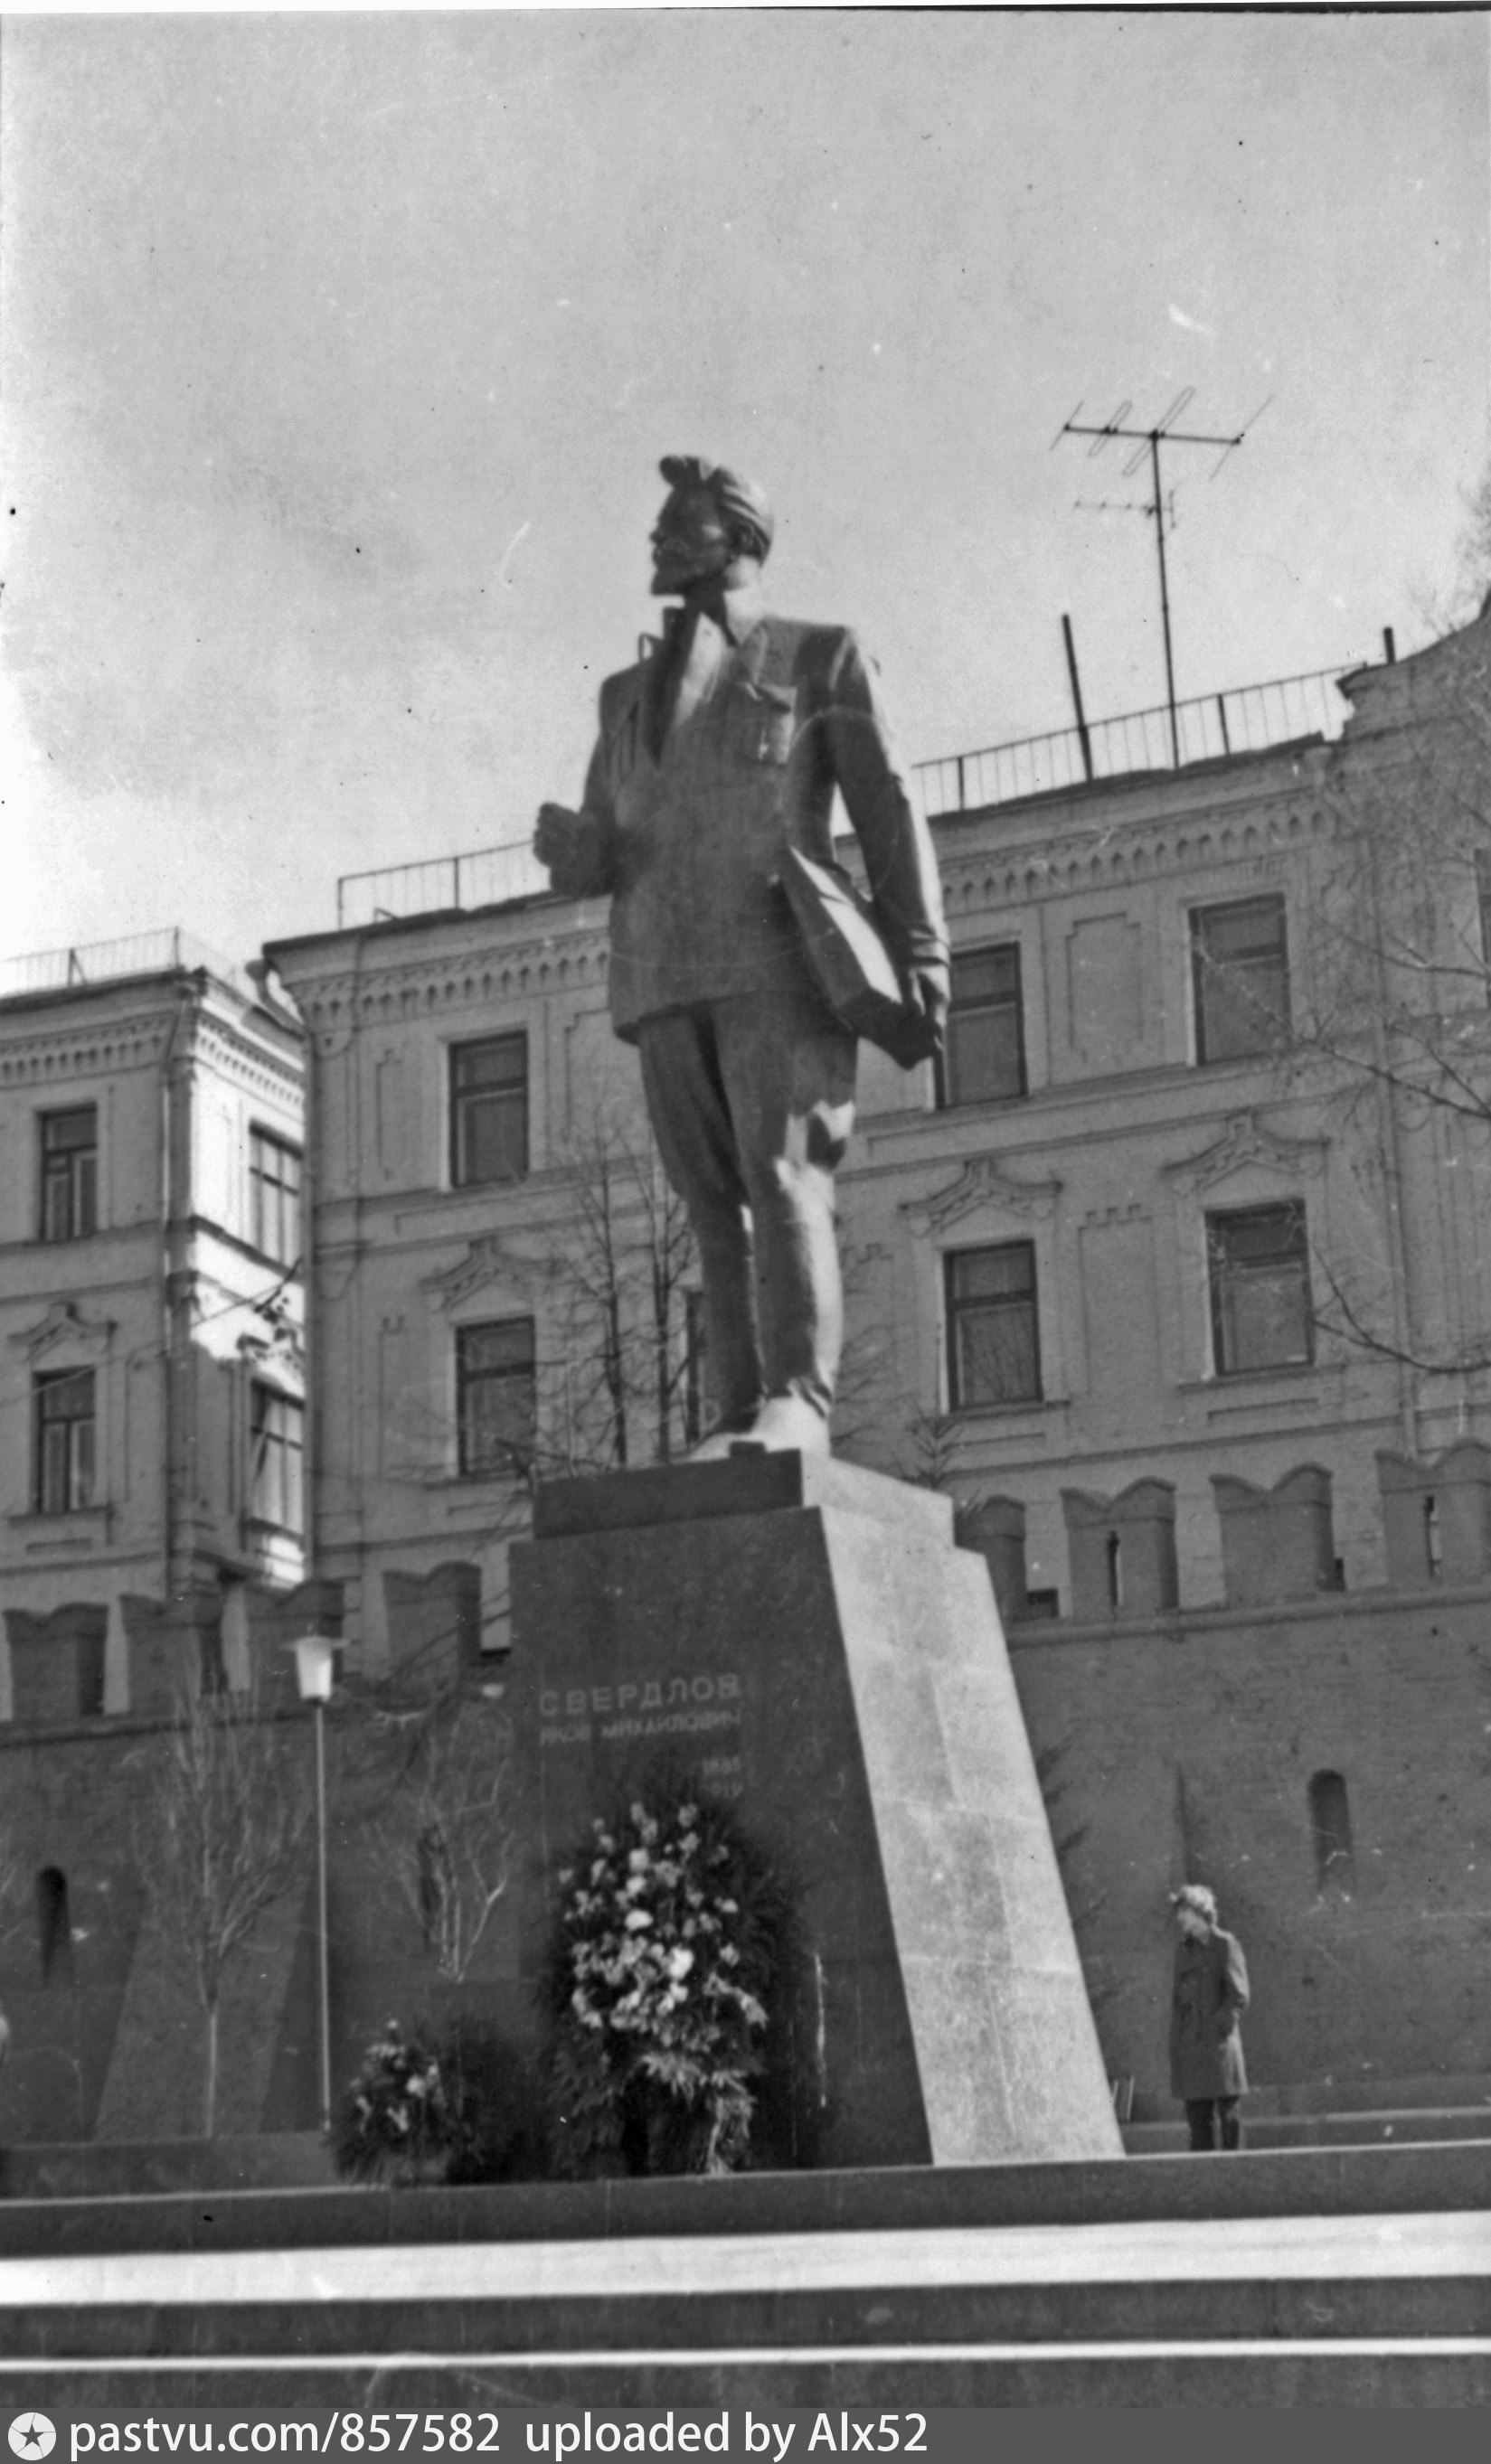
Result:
[[690, 542], [1191, 1924]]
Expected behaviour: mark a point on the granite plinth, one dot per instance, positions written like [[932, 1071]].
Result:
[[806, 1638]]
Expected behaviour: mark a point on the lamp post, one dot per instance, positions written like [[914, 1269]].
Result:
[[315, 1668]]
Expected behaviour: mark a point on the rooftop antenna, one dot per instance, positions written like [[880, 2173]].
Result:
[[1158, 507]]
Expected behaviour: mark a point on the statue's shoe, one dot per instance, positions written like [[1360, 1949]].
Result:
[[785, 1424]]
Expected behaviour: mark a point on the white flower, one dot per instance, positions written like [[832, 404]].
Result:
[[679, 1962], [637, 1920]]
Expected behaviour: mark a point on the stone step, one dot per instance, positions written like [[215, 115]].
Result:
[[954, 2304], [1349, 2309], [96, 2168], [1322, 2131], [1269, 2183], [1441, 2092], [1453, 2371], [1418, 2092]]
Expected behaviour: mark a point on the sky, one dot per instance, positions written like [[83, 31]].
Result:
[[338, 353]]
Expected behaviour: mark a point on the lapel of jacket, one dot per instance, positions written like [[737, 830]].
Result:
[[749, 657]]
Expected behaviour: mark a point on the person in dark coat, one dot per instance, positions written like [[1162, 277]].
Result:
[[1209, 1991]]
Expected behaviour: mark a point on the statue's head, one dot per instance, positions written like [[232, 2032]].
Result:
[[712, 523]]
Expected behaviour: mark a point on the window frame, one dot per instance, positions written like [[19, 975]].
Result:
[[1206, 970], [959, 1307], [461, 1102], [288, 1200], [285, 1446], [77, 1180], [471, 1378], [1218, 1264], [65, 1476], [948, 1099]]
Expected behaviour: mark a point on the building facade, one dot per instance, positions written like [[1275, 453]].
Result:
[[1174, 1274], [152, 1393]]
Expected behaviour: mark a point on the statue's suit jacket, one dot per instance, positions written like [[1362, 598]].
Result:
[[685, 829]]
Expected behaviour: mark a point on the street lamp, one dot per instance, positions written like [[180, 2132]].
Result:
[[315, 1668]]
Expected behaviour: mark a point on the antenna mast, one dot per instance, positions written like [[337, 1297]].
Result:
[[1147, 442]]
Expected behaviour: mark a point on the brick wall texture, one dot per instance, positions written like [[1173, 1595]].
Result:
[[1177, 1748]]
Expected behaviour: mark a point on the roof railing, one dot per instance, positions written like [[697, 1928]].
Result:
[[1214, 726], [1250, 720], [96, 962]]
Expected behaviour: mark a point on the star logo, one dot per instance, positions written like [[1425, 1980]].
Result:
[[32, 2435]]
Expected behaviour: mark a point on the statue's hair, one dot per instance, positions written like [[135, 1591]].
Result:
[[739, 500]]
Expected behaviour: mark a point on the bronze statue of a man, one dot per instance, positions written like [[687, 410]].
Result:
[[715, 755]]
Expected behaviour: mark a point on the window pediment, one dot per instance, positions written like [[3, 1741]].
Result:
[[64, 1330], [488, 1260], [983, 1183], [1246, 1143]]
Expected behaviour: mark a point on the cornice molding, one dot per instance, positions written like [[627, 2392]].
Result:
[[1126, 855], [392, 994], [123, 1044], [250, 1063]]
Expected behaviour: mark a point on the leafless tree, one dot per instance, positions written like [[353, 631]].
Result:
[[1444, 607], [1396, 1027], [629, 1347], [225, 1832], [443, 1837]]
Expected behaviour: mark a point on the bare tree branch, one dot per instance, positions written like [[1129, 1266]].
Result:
[[225, 1829], [444, 1839]]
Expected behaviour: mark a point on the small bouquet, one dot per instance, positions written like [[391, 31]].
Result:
[[394, 2122]]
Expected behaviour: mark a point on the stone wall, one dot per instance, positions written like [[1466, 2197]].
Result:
[[1171, 1746], [1184, 1748]]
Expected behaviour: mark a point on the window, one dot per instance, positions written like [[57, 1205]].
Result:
[[65, 1441], [489, 1111], [985, 1055], [696, 1368], [70, 1174], [1240, 968], [1434, 1546], [1260, 1289], [54, 1925], [993, 1353], [276, 1457], [1330, 1824], [496, 1396], [275, 1186]]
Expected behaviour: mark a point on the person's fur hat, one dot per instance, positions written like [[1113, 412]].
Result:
[[1196, 1896], [737, 498]]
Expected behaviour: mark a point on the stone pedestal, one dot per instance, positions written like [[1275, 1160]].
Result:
[[806, 1638]]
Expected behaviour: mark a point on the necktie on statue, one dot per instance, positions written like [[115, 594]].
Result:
[[695, 658]]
